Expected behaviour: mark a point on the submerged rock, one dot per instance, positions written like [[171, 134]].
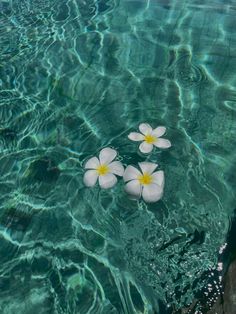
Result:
[[227, 305]]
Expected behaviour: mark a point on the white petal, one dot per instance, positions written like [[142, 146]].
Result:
[[131, 173], [90, 177], [158, 178], [159, 131], [148, 167], [134, 136], [145, 128], [152, 193], [92, 163], [162, 143], [107, 181], [145, 147], [133, 188], [117, 168], [106, 155]]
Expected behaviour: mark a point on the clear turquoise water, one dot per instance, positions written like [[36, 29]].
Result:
[[76, 76]]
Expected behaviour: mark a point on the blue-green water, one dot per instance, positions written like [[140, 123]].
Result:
[[77, 76]]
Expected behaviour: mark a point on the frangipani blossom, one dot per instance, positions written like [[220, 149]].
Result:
[[145, 183], [150, 137], [103, 168]]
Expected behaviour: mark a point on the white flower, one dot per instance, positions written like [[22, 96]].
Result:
[[150, 137], [104, 169], [147, 183]]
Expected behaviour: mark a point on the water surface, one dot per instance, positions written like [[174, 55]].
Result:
[[77, 76]]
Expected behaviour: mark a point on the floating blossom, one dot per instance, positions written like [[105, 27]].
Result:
[[150, 137], [103, 168], [145, 183]]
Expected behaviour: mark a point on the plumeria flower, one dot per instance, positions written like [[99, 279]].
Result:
[[103, 168], [145, 183], [150, 137]]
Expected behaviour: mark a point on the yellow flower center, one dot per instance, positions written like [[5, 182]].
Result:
[[102, 170], [145, 179], [150, 139]]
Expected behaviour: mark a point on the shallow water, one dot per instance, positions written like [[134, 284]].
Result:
[[76, 76]]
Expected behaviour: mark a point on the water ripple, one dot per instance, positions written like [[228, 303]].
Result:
[[76, 76]]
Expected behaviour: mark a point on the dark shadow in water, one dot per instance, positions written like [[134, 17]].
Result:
[[44, 170]]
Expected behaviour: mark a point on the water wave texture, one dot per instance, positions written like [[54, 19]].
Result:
[[76, 76]]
